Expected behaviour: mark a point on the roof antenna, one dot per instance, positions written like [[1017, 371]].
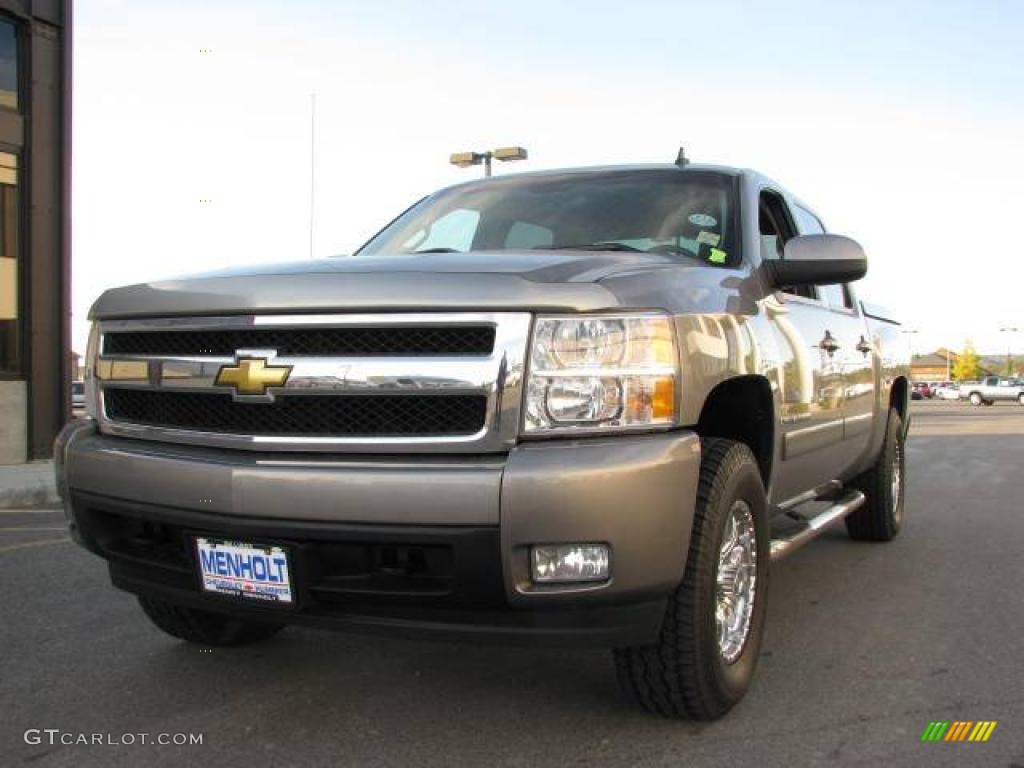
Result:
[[681, 159]]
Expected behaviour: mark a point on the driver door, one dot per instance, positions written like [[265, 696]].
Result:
[[811, 381]]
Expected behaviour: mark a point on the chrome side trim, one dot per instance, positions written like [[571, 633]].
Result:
[[498, 376], [807, 439], [859, 424]]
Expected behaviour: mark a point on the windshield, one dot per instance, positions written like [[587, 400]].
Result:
[[656, 211]]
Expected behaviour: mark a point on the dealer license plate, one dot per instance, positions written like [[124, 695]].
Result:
[[249, 571]]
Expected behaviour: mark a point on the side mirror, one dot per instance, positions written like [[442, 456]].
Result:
[[819, 260]]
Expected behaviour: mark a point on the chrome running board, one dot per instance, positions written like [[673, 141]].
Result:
[[812, 526], [812, 495]]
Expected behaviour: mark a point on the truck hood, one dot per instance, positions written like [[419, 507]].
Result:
[[494, 281]]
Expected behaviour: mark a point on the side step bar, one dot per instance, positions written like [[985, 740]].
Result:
[[843, 506]]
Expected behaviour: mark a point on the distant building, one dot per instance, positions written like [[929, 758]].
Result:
[[932, 367], [35, 155]]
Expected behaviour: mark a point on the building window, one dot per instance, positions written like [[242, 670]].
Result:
[[8, 65], [9, 332]]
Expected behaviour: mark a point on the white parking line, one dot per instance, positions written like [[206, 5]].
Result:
[[28, 544]]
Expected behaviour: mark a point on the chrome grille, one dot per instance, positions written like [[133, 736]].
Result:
[[412, 341], [342, 415], [361, 383]]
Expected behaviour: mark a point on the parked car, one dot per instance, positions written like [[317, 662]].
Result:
[[583, 407], [992, 389], [920, 390], [946, 390]]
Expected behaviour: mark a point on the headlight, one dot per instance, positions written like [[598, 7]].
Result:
[[601, 372]]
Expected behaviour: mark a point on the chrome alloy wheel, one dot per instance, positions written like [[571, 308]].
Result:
[[736, 581], [897, 483]]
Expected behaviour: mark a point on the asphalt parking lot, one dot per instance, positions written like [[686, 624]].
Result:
[[866, 644]]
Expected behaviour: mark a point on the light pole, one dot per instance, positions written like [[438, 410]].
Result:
[[502, 154], [1009, 348], [910, 348]]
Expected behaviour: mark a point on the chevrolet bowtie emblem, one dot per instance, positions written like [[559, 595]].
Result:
[[252, 376]]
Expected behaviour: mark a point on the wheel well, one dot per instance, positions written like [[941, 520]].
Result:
[[741, 409], [898, 397]]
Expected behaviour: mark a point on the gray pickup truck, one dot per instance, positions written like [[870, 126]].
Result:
[[992, 389], [583, 407]]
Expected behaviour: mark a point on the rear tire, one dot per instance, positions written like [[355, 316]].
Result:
[[1020, 399], [205, 627], [697, 669], [881, 516]]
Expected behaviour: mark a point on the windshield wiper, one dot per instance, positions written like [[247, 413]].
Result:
[[610, 246], [438, 250]]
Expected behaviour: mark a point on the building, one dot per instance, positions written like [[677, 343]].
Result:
[[35, 236], [933, 366]]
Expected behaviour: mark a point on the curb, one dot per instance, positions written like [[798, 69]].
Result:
[[28, 485]]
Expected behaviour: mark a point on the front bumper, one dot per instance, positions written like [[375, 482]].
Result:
[[406, 545]]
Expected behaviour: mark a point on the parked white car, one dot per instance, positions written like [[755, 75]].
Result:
[[946, 390]]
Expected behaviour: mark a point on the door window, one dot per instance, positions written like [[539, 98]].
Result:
[[776, 228], [836, 296], [807, 222]]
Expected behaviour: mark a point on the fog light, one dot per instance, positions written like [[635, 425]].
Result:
[[570, 562]]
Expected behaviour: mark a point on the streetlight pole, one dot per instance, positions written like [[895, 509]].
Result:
[[502, 154], [909, 333], [1009, 348]]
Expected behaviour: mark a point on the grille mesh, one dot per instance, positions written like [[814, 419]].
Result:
[[419, 340], [302, 415]]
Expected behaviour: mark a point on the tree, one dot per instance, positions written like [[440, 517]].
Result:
[[968, 365]]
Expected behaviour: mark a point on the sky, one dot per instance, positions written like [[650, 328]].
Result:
[[901, 123]]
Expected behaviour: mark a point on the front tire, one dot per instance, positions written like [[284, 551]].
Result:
[[204, 627], [976, 399], [704, 659], [881, 516]]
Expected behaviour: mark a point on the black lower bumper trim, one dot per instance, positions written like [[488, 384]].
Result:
[[415, 581]]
